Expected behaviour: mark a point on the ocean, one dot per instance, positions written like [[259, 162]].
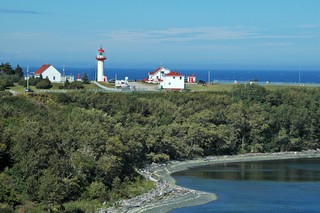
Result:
[[214, 76], [263, 186]]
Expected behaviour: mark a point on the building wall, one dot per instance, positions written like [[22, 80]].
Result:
[[191, 79], [159, 75], [64, 78], [100, 74], [52, 74], [173, 82]]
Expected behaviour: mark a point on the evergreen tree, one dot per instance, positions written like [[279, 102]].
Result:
[[85, 79], [18, 71], [6, 69]]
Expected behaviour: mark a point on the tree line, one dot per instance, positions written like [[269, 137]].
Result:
[[57, 148], [10, 76]]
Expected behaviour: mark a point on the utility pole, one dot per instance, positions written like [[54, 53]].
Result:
[[300, 75], [28, 77]]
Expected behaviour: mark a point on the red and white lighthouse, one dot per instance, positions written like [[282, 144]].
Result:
[[100, 69]]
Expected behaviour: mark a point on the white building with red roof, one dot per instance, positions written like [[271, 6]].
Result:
[[172, 81], [157, 75], [48, 71]]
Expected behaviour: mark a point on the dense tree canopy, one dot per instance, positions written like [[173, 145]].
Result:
[[69, 146], [9, 76]]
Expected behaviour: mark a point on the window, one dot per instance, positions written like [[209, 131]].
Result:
[[54, 77], [169, 83], [174, 77], [180, 78]]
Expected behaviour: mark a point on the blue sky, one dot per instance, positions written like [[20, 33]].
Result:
[[204, 34]]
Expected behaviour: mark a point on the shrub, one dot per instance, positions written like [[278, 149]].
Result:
[[97, 190], [44, 84], [75, 85]]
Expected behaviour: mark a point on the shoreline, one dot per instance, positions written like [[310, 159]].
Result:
[[167, 195]]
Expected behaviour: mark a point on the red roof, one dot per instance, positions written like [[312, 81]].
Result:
[[154, 72], [42, 69], [173, 74], [101, 50]]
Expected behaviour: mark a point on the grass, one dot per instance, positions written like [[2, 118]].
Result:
[[228, 87], [55, 86], [212, 87], [86, 206], [109, 85], [191, 87]]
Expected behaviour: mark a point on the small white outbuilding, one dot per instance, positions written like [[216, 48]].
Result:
[[172, 81]]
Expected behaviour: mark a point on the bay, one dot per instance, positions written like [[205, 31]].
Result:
[[262, 186]]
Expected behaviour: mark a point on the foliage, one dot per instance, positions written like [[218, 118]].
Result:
[[8, 80], [78, 146], [18, 71], [8, 194], [73, 85], [8, 76], [85, 79], [6, 69], [44, 84]]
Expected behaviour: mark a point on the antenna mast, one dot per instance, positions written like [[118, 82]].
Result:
[[28, 77], [300, 75]]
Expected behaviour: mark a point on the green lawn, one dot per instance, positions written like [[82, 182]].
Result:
[[55, 86], [191, 87], [228, 87], [212, 87]]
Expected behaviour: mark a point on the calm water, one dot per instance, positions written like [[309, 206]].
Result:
[[265, 186]]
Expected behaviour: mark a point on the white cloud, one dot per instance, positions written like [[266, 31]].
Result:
[[179, 34], [195, 34]]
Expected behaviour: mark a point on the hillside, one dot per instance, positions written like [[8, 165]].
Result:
[[57, 150]]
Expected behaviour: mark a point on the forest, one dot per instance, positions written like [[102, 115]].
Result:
[[85, 146]]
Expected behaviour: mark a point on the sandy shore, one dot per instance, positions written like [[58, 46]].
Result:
[[167, 195]]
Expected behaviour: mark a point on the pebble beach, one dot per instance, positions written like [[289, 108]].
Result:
[[167, 195]]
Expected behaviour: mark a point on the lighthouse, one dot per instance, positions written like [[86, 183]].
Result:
[[100, 69]]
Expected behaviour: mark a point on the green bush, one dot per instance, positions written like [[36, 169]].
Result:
[[44, 84], [75, 85], [97, 190]]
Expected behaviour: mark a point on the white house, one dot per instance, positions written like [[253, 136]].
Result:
[[157, 75], [172, 81], [48, 71]]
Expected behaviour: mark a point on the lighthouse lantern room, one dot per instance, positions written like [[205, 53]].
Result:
[[100, 69]]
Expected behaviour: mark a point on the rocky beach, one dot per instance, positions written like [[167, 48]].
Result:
[[167, 195]]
